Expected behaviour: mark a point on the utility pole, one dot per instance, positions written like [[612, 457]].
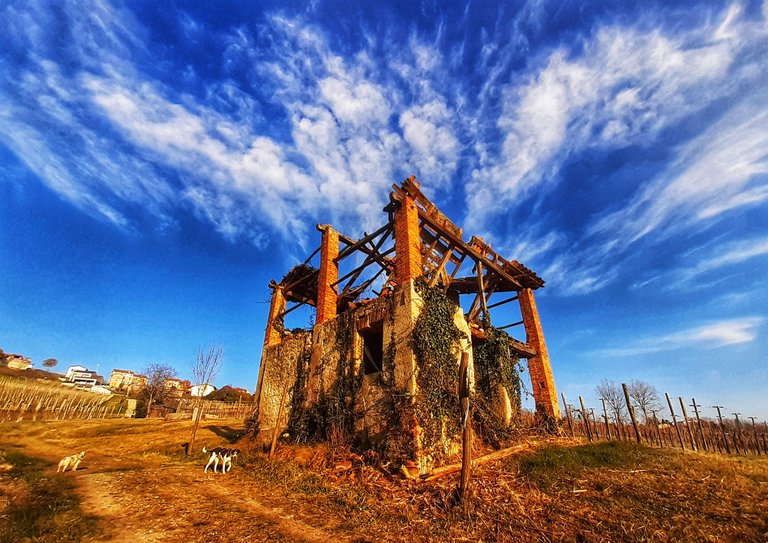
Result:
[[607, 426], [674, 421], [722, 427], [754, 433]]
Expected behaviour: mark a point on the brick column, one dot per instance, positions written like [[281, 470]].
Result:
[[408, 263], [273, 336], [329, 273], [538, 366]]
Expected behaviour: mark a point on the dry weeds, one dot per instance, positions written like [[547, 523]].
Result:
[[139, 486]]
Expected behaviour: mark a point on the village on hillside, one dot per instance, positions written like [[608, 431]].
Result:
[[128, 390]]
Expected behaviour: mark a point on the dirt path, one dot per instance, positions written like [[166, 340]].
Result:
[[140, 493], [180, 503]]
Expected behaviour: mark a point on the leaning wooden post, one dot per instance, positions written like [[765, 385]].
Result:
[[605, 415], [687, 423], [754, 433], [631, 412], [765, 431], [658, 430], [698, 423], [585, 418], [722, 427], [594, 423], [674, 421], [737, 432], [466, 422], [568, 414]]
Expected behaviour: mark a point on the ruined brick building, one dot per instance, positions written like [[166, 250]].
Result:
[[383, 372]]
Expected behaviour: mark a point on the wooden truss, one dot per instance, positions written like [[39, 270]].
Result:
[[300, 284], [444, 255]]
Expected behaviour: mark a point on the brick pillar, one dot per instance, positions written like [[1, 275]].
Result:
[[273, 336], [329, 273], [408, 263], [538, 366]]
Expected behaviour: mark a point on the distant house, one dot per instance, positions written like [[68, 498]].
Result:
[[120, 379], [72, 370], [177, 387], [15, 361], [82, 376], [127, 381], [201, 390]]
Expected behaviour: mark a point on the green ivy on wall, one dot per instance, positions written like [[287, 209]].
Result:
[[495, 365], [436, 345]]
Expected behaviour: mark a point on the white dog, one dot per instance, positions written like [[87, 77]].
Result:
[[72, 461], [220, 454]]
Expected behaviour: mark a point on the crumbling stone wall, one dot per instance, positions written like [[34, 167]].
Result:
[[282, 364]]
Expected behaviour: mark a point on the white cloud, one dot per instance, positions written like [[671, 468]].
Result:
[[343, 150], [626, 86], [707, 336], [722, 169]]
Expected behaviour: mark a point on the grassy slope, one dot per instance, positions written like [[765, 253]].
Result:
[[561, 491]]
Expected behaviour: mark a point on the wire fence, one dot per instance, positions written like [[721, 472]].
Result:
[[217, 409], [737, 435]]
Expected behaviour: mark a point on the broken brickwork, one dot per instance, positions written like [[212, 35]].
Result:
[[357, 375]]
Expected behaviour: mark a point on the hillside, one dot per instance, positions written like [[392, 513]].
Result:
[[135, 484]]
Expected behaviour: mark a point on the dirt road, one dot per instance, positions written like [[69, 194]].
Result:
[[137, 482]]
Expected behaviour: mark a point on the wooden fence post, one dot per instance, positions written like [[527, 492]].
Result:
[[687, 423], [631, 412], [568, 415], [466, 422], [584, 417], [674, 421], [722, 427], [698, 422], [607, 425]]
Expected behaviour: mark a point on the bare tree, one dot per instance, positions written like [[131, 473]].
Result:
[[155, 390], [645, 396], [204, 371], [50, 362], [614, 398]]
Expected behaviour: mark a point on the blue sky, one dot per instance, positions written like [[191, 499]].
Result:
[[160, 162]]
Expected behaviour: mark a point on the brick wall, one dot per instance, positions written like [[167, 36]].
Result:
[[329, 273], [408, 259], [538, 366]]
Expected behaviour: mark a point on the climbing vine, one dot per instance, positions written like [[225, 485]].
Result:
[[495, 365], [436, 345], [332, 417]]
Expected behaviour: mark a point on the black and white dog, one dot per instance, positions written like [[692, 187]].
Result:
[[220, 454]]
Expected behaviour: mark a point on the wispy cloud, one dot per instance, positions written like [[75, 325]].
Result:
[[708, 336], [721, 170], [710, 267], [624, 88], [352, 126], [310, 129]]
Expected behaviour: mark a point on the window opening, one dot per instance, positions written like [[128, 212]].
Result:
[[373, 349]]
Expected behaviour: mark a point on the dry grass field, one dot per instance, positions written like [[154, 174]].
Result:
[[137, 485]]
